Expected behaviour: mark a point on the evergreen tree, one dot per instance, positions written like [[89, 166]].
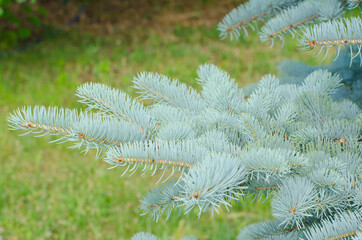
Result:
[[291, 143]]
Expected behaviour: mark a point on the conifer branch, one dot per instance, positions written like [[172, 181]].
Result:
[[218, 142], [339, 131], [353, 3], [176, 131], [262, 187], [86, 129], [292, 142], [164, 114], [251, 128], [336, 34], [218, 89], [217, 179], [288, 17], [154, 156], [114, 102], [264, 98], [164, 90], [245, 14], [294, 202], [162, 200], [263, 163], [288, 20], [268, 230], [295, 17], [341, 226], [329, 203]]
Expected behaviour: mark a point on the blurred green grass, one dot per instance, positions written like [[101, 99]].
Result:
[[52, 192]]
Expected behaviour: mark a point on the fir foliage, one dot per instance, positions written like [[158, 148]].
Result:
[[293, 72], [296, 140], [291, 143], [293, 18], [249, 13], [319, 23], [107, 101], [93, 131], [335, 33]]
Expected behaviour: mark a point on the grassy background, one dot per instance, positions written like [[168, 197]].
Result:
[[52, 192]]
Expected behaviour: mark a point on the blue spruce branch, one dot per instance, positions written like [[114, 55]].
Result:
[[292, 143]]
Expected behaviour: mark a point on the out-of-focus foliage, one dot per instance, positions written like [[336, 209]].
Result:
[[18, 21]]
